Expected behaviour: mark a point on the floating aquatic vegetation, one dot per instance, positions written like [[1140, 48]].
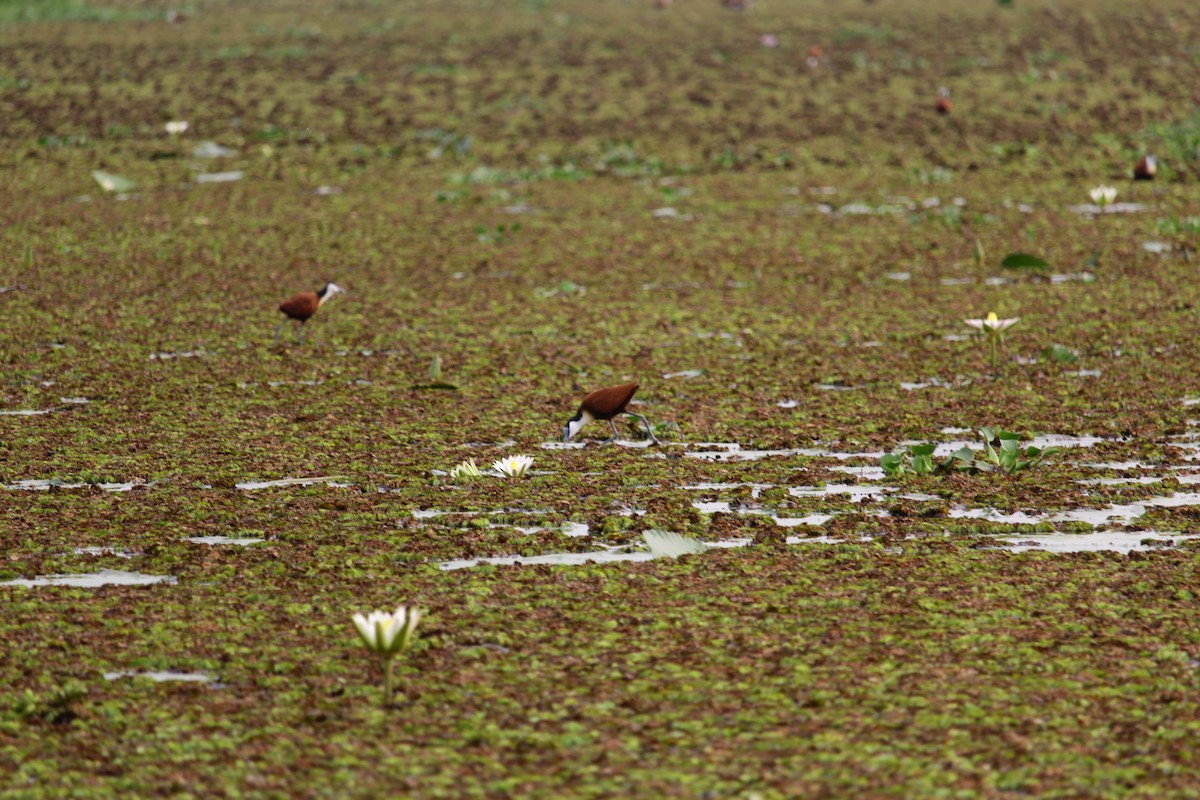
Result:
[[1002, 453]]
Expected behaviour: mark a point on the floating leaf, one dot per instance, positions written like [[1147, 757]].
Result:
[[113, 183], [449, 387], [1060, 353], [665, 544], [1024, 261]]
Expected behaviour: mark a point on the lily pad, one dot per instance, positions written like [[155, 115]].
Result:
[[1024, 261]]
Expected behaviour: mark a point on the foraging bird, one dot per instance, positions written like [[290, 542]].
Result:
[[604, 404], [1146, 169], [300, 308], [943, 101]]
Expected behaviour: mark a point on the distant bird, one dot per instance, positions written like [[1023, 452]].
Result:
[[300, 308], [943, 101], [1146, 169], [604, 404]]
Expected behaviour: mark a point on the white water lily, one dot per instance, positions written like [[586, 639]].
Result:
[[1103, 196], [992, 323], [175, 127], [513, 466], [465, 471], [993, 327], [386, 635]]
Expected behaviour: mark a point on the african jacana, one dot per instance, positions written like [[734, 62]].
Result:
[[943, 101], [300, 308], [604, 404], [1146, 169]]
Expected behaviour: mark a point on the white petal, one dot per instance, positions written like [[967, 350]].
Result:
[[364, 629]]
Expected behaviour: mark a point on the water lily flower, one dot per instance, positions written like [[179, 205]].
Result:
[[176, 126], [513, 466], [1103, 196], [993, 327], [386, 635], [467, 470], [992, 323]]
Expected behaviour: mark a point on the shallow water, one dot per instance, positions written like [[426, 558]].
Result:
[[216, 540], [332, 480], [26, 412], [560, 559], [220, 177], [161, 676], [42, 485], [183, 354], [732, 451], [1117, 541], [119, 552], [105, 577]]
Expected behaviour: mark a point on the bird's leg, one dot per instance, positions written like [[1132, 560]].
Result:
[[649, 432], [300, 333], [279, 330], [612, 425]]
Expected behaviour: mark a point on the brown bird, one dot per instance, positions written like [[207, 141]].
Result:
[[300, 308], [604, 404], [1146, 169], [943, 101]]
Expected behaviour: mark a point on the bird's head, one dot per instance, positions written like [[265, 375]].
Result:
[[576, 422], [329, 290]]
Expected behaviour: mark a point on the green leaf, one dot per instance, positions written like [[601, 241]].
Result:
[[922, 449], [964, 454], [1024, 261], [922, 465], [1060, 353], [892, 463]]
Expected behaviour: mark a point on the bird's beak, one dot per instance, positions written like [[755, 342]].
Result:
[[566, 433]]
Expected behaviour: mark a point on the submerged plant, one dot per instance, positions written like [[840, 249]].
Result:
[[387, 635], [513, 466], [993, 328], [465, 471]]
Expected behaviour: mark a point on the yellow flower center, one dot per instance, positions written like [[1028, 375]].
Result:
[[991, 317]]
